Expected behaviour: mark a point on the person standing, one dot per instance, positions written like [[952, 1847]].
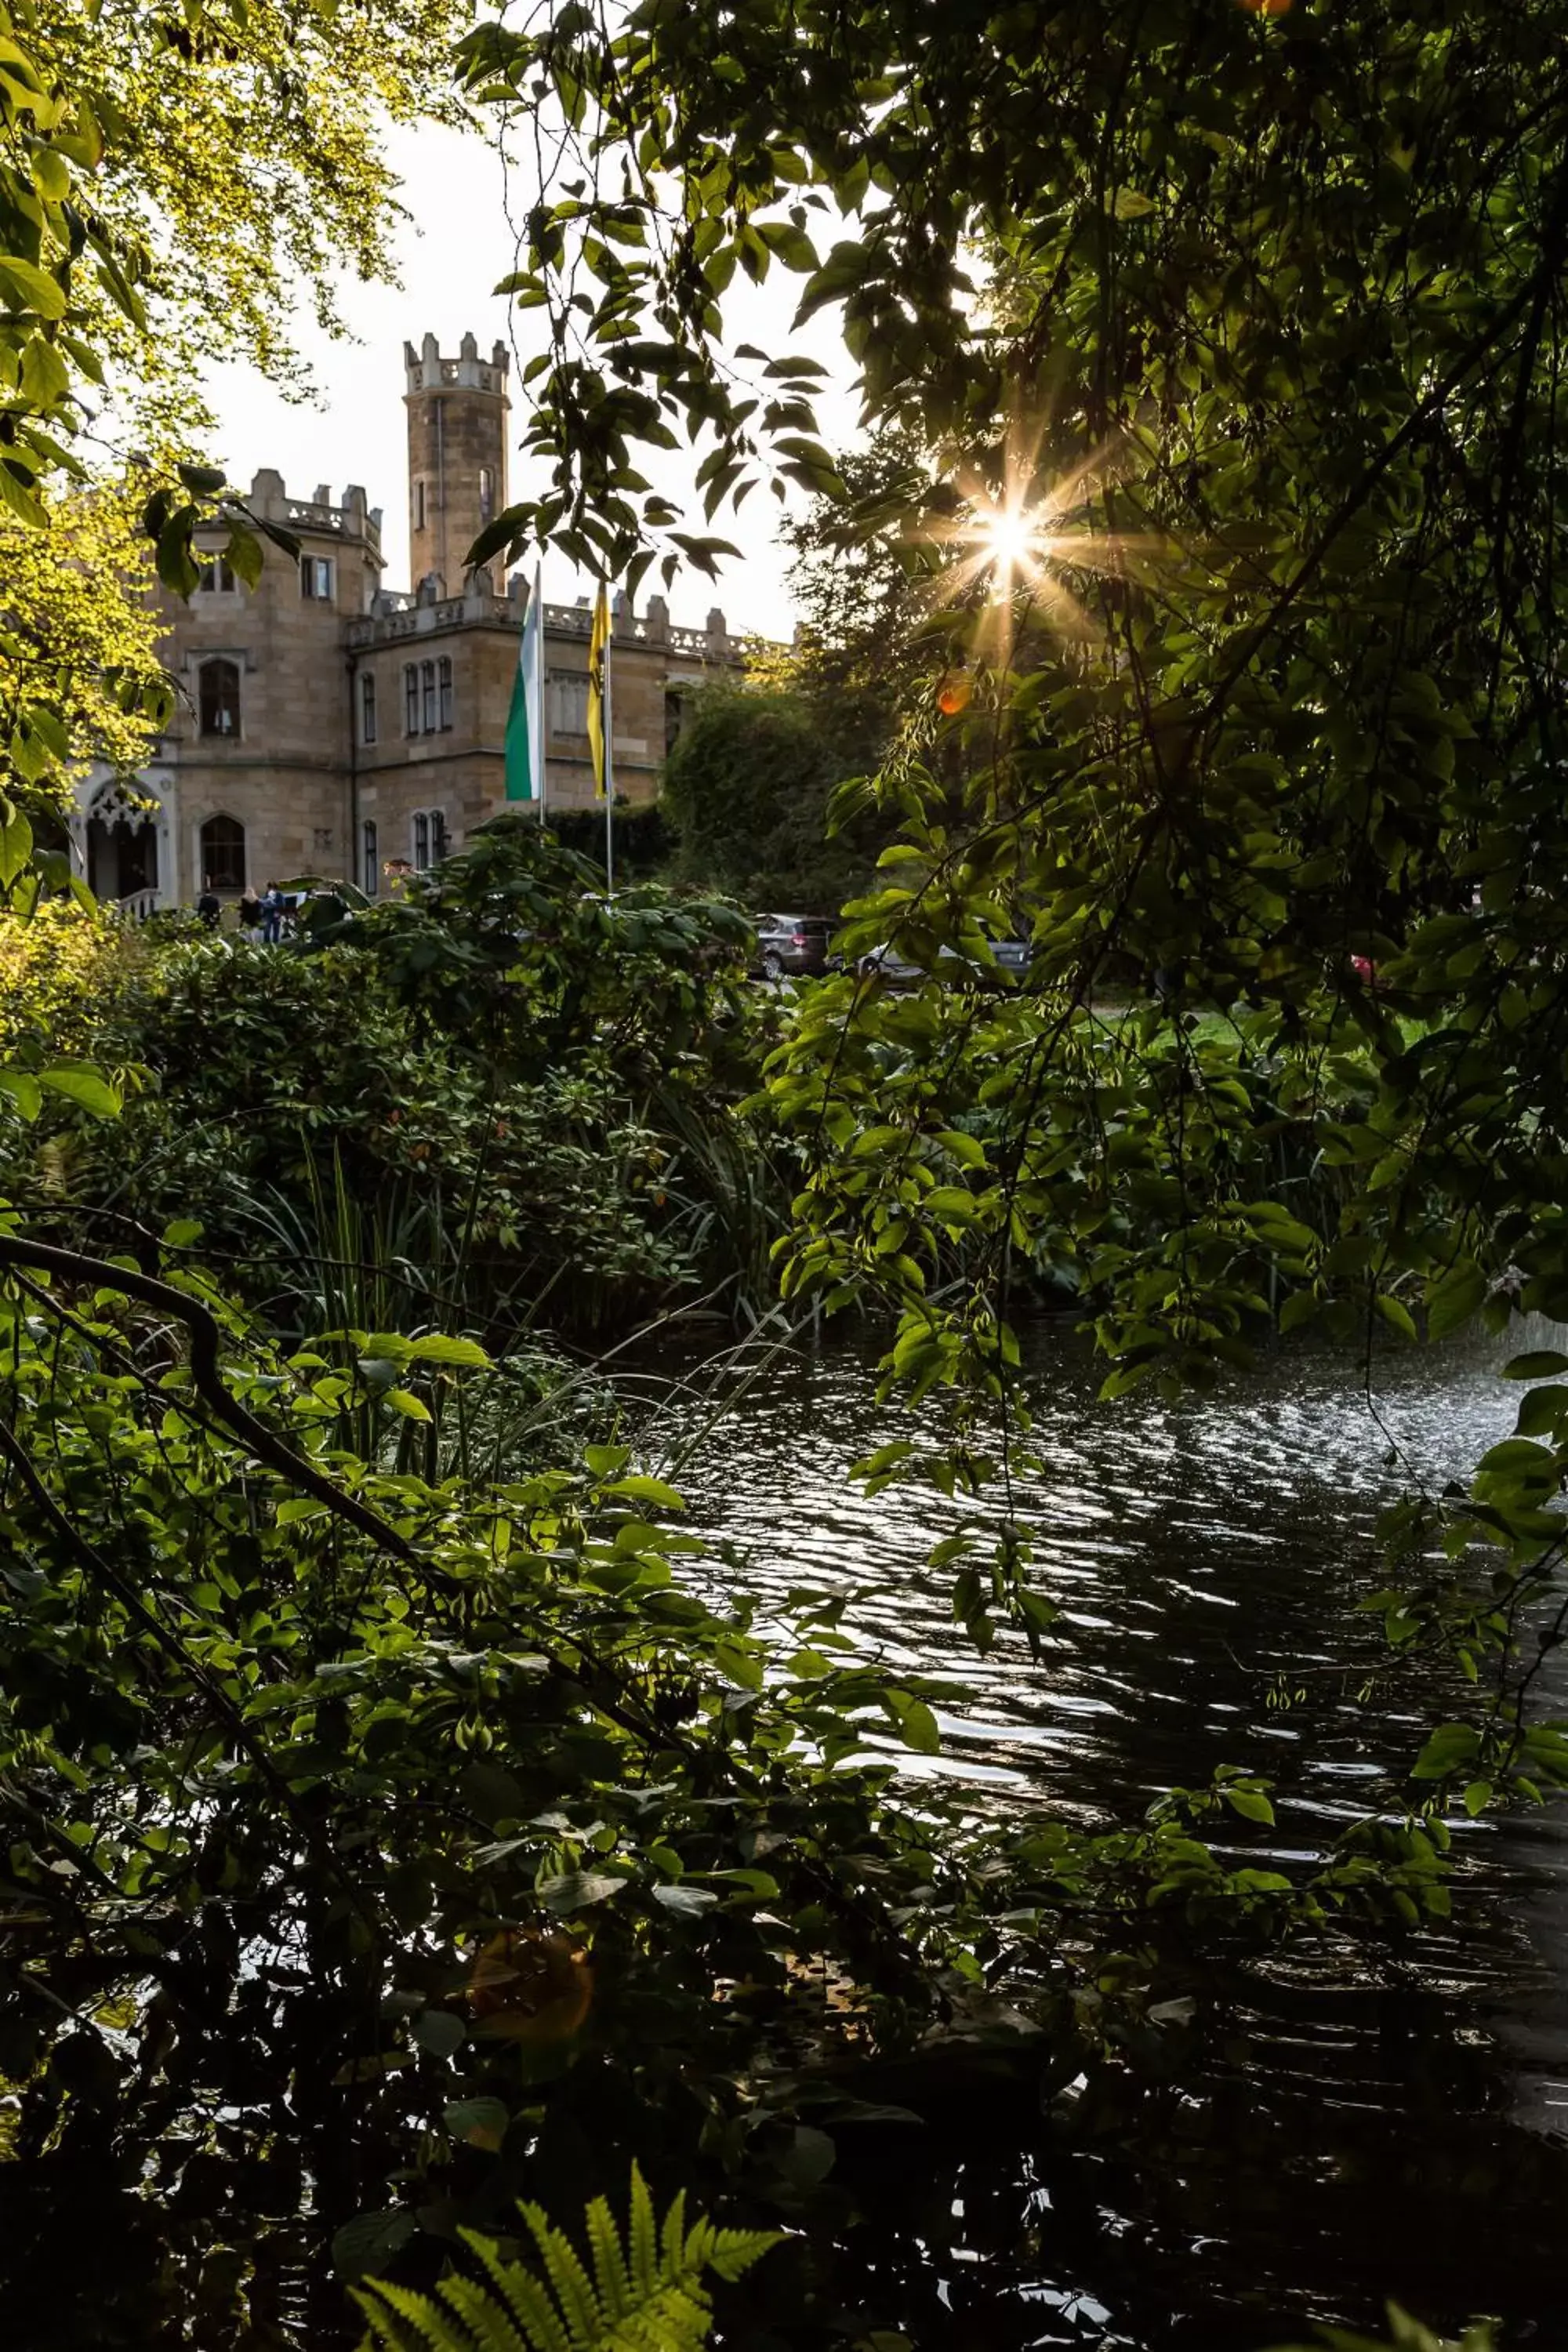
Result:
[[209, 906], [250, 913], [272, 915]]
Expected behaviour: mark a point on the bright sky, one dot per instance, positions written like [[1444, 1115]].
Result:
[[450, 255]]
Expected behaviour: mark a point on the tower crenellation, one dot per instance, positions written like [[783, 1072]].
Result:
[[457, 412]]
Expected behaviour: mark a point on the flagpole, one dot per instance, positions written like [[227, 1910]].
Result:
[[539, 689], [609, 768]]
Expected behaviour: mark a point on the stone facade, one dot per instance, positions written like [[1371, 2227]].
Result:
[[327, 725]]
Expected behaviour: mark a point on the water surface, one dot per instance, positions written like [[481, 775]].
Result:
[[1380, 2123]]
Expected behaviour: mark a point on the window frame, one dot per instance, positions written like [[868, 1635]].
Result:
[[218, 576], [411, 698], [313, 571], [370, 858], [444, 692], [367, 713], [219, 734], [219, 862], [419, 840], [427, 698]]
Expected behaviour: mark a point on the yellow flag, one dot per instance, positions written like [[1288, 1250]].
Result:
[[599, 692]]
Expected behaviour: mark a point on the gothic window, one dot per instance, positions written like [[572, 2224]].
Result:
[[367, 706], [427, 695], [446, 671], [410, 699], [216, 575], [487, 494], [437, 836], [368, 858], [217, 699], [567, 696], [223, 854], [421, 840], [316, 577]]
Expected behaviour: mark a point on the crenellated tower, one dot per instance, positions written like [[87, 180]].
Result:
[[457, 454]]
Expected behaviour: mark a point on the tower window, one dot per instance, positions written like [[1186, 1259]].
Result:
[[223, 854], [217, 700], [316, 577], [428, 696], [367, 706], [216, 575], [487, 493], [446, 677], [410, 699], [419, 506], [368, 858]]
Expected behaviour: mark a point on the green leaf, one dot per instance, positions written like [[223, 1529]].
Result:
[[578, 1890], [404, 1401], [84, 1086], [1251, 1803], [439, 2032], [481, 2122], [25, 287], [435, 1347]]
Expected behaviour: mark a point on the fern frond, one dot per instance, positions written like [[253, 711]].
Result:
[[573, 2288], [611, 2276], [728, 2254], [410, 2321], [644, 2237], [487, 2321], [524, 2296], [645, 2295]]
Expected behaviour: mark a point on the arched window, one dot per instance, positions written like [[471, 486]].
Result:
[[223, 854], [421, 841], [219, 700], [367, 706]]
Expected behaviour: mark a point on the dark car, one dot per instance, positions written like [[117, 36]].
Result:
[[789, 946]]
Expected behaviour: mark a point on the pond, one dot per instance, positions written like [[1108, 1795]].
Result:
[[1378, 2122]]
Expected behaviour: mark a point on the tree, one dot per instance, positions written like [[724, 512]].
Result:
[[747, 786], [1251, 510]]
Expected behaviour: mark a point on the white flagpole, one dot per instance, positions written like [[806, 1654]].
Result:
[[537, 683], [610, 771]]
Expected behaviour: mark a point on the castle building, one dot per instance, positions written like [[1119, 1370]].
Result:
[[327, 725]]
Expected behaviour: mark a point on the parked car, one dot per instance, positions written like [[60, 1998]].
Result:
[[1012, 959], [790, 946]]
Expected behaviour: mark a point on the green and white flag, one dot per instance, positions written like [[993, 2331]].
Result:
[[525, 719]]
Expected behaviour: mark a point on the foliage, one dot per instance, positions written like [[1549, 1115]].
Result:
[[1405, 2334], [1262, 674], [645, 2295], [642, 841], [747, 788], [519, 1102], [56, 969], [78, 640]]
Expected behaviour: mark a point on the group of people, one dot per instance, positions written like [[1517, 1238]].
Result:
[[262, 915]]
